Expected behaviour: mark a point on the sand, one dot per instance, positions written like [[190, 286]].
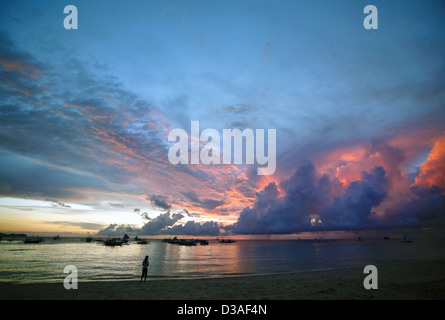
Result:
[[403, 281]]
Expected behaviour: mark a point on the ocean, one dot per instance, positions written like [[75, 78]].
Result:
[[45, 261]]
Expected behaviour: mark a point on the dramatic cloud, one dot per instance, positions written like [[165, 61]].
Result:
[[161, 223], [160, 203], [310, 201], [209, 228], [117, 230], [353, 209], [423, 207], [166, 224], [433, 169], [381, 196], [288, 207], [359, 116], [209, 204]]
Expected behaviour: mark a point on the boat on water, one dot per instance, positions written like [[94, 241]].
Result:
[[88, 239], [142, 241], [225, 240], [203, 242], [57, 237], [32, 240], [125, 238], [175, 240], [406, 239], [181, 242], [112, 242], [187, 242]]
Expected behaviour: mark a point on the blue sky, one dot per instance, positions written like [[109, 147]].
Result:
[[89, 110]]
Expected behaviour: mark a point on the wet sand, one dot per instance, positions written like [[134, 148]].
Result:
[[412, 281]]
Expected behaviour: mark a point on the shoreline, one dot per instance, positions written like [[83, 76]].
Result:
[[400, 281]]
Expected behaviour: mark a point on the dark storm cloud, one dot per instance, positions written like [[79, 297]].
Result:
[[353, 209], [117, 230], [160, 203], [165, 224], [423, 206], [393, 156], [308, 201], [305, 194], [209, 228], [209, 204], [160, 223], [307, 198]]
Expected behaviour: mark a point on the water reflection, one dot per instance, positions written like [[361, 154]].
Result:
[[46, 261]]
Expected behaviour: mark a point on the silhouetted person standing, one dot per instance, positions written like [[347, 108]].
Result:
[[145, 265]]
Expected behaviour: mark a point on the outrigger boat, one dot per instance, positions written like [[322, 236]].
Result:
[[33, 240], [225, 240], [182, 242], [187, 242], [175, 240], [113, 242]]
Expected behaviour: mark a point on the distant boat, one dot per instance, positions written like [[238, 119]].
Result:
[[203, 242], [88, 239], [57, 237], [359, 239], [187, 242], [125, 239], [181, 242], [406, 239], [113, 242], [225, 240], [33, 240], [142, 241], [175, 240]]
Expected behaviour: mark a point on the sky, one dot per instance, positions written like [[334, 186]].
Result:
[[85, 116]]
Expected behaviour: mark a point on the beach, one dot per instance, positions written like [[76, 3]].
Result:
[[400, 281]]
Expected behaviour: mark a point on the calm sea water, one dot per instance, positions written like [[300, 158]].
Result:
[[45, 261]]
